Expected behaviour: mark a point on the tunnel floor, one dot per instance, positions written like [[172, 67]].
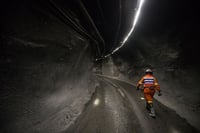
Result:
[[117, 107]]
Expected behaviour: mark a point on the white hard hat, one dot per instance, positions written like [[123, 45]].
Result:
[[148, 71]]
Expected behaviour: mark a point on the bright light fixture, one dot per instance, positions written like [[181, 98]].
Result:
[[132, 28]]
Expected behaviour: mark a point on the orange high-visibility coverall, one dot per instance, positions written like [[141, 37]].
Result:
[[150, 85]]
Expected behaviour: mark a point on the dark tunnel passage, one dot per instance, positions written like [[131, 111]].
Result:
[[51, 82]]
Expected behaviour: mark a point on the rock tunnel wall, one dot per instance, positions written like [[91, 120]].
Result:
[[172, 60], [42, 86]]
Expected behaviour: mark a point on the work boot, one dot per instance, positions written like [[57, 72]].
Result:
[[152, 111]]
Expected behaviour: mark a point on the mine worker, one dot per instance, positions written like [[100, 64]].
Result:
[[149, 84]]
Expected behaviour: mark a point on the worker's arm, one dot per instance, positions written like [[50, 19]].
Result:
[[157, 87], [140, 82]]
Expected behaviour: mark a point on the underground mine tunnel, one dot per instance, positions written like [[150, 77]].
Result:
[[71, 66]]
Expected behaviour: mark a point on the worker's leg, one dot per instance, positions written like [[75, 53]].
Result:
[[148, 94], [152, 111], [148, 98]]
